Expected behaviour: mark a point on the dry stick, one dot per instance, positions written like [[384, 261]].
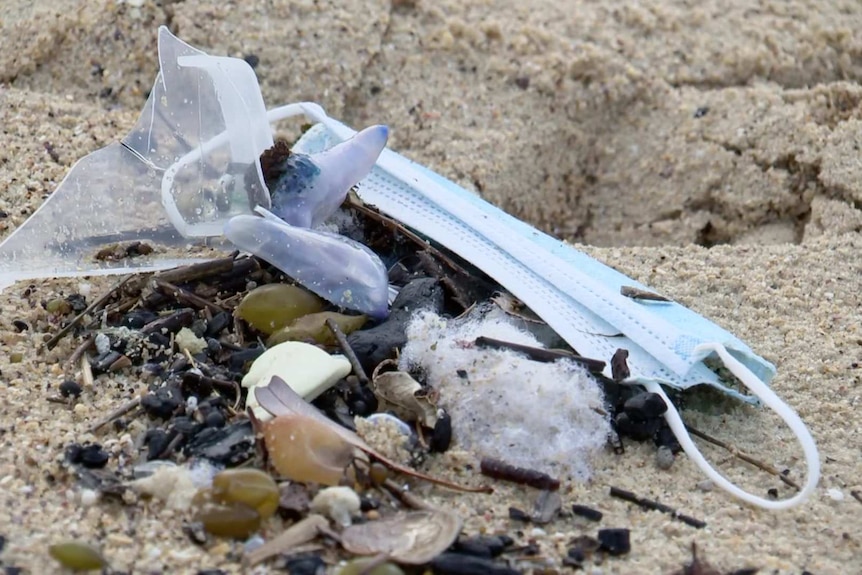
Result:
[[742, 455], [194, 272], [185, 296], [90, 308], [406, 497], [348, 351], [400, 228], [119, 412], [501, 470], [651, 505], [79, 351], [857, 495], [540, 354]]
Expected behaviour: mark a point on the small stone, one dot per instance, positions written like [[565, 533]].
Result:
[[102, 343], [637, 430], [644, 406], [706, 485], [338, 503], [664, 457], [835, 494], [518, 515], [305, 564], [16, 357], [546, 507], [456, 563], [77, 556], [378, 343], [237, 521], [615, 541], [164, 402]]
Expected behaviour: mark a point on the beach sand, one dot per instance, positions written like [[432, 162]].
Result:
[[709, 150]]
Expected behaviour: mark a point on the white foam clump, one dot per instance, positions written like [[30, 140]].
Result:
[[527, 413]]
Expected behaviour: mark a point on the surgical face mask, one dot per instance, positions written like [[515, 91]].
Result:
[[575, 294]]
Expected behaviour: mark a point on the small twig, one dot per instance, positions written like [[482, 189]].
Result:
[[392, 224], [83, 347], [637, 293], [651, 505], [199, 271], [540, 354], [405, 497], [185, 296], [58, 399], [119, 412], [743, 456], [348, 351], [90, 308], [857, 495], [86, 371], [501, 470]]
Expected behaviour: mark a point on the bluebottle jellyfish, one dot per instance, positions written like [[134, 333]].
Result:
[[309, 189]]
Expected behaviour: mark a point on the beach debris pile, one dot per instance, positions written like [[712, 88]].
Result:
[[277, 417]]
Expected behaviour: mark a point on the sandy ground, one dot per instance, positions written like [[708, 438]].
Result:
[[708, 149]]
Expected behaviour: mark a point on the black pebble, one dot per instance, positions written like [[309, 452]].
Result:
[[185, 425], [103, 361], [214, 419], [157, 441], [587, 512], [615, 541], [482, 545], [163, 402], [378, 343], [90, 456], [306, 564], [441, 438], [137, 319], [239, 359], [644, 406], [518, 515], [638, 430], [252, 60], [218, 322], [20, 325], [664, 437], [211, 572], [70, 388], [458, 564], [229, 445], [78, 302]]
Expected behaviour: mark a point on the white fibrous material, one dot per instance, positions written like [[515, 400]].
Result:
[[504, 405]]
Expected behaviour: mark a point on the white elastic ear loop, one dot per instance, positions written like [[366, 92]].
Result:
[[762, 391]]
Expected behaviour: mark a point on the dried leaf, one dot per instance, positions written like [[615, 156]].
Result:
[[406, 396], [305, 449], [413, 538], [297, 534], [279, 399]]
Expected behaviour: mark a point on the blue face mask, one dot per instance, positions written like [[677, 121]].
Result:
[[578, 296], [575, 294]]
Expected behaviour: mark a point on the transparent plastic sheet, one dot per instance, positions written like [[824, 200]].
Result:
[[191, 165], [188, 166]]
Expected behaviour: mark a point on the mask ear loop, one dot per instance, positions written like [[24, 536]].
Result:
[[768, 397]]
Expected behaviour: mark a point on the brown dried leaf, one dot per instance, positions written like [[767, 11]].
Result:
[[413, 538], [305, 449], [279, 399], [408, 399]]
